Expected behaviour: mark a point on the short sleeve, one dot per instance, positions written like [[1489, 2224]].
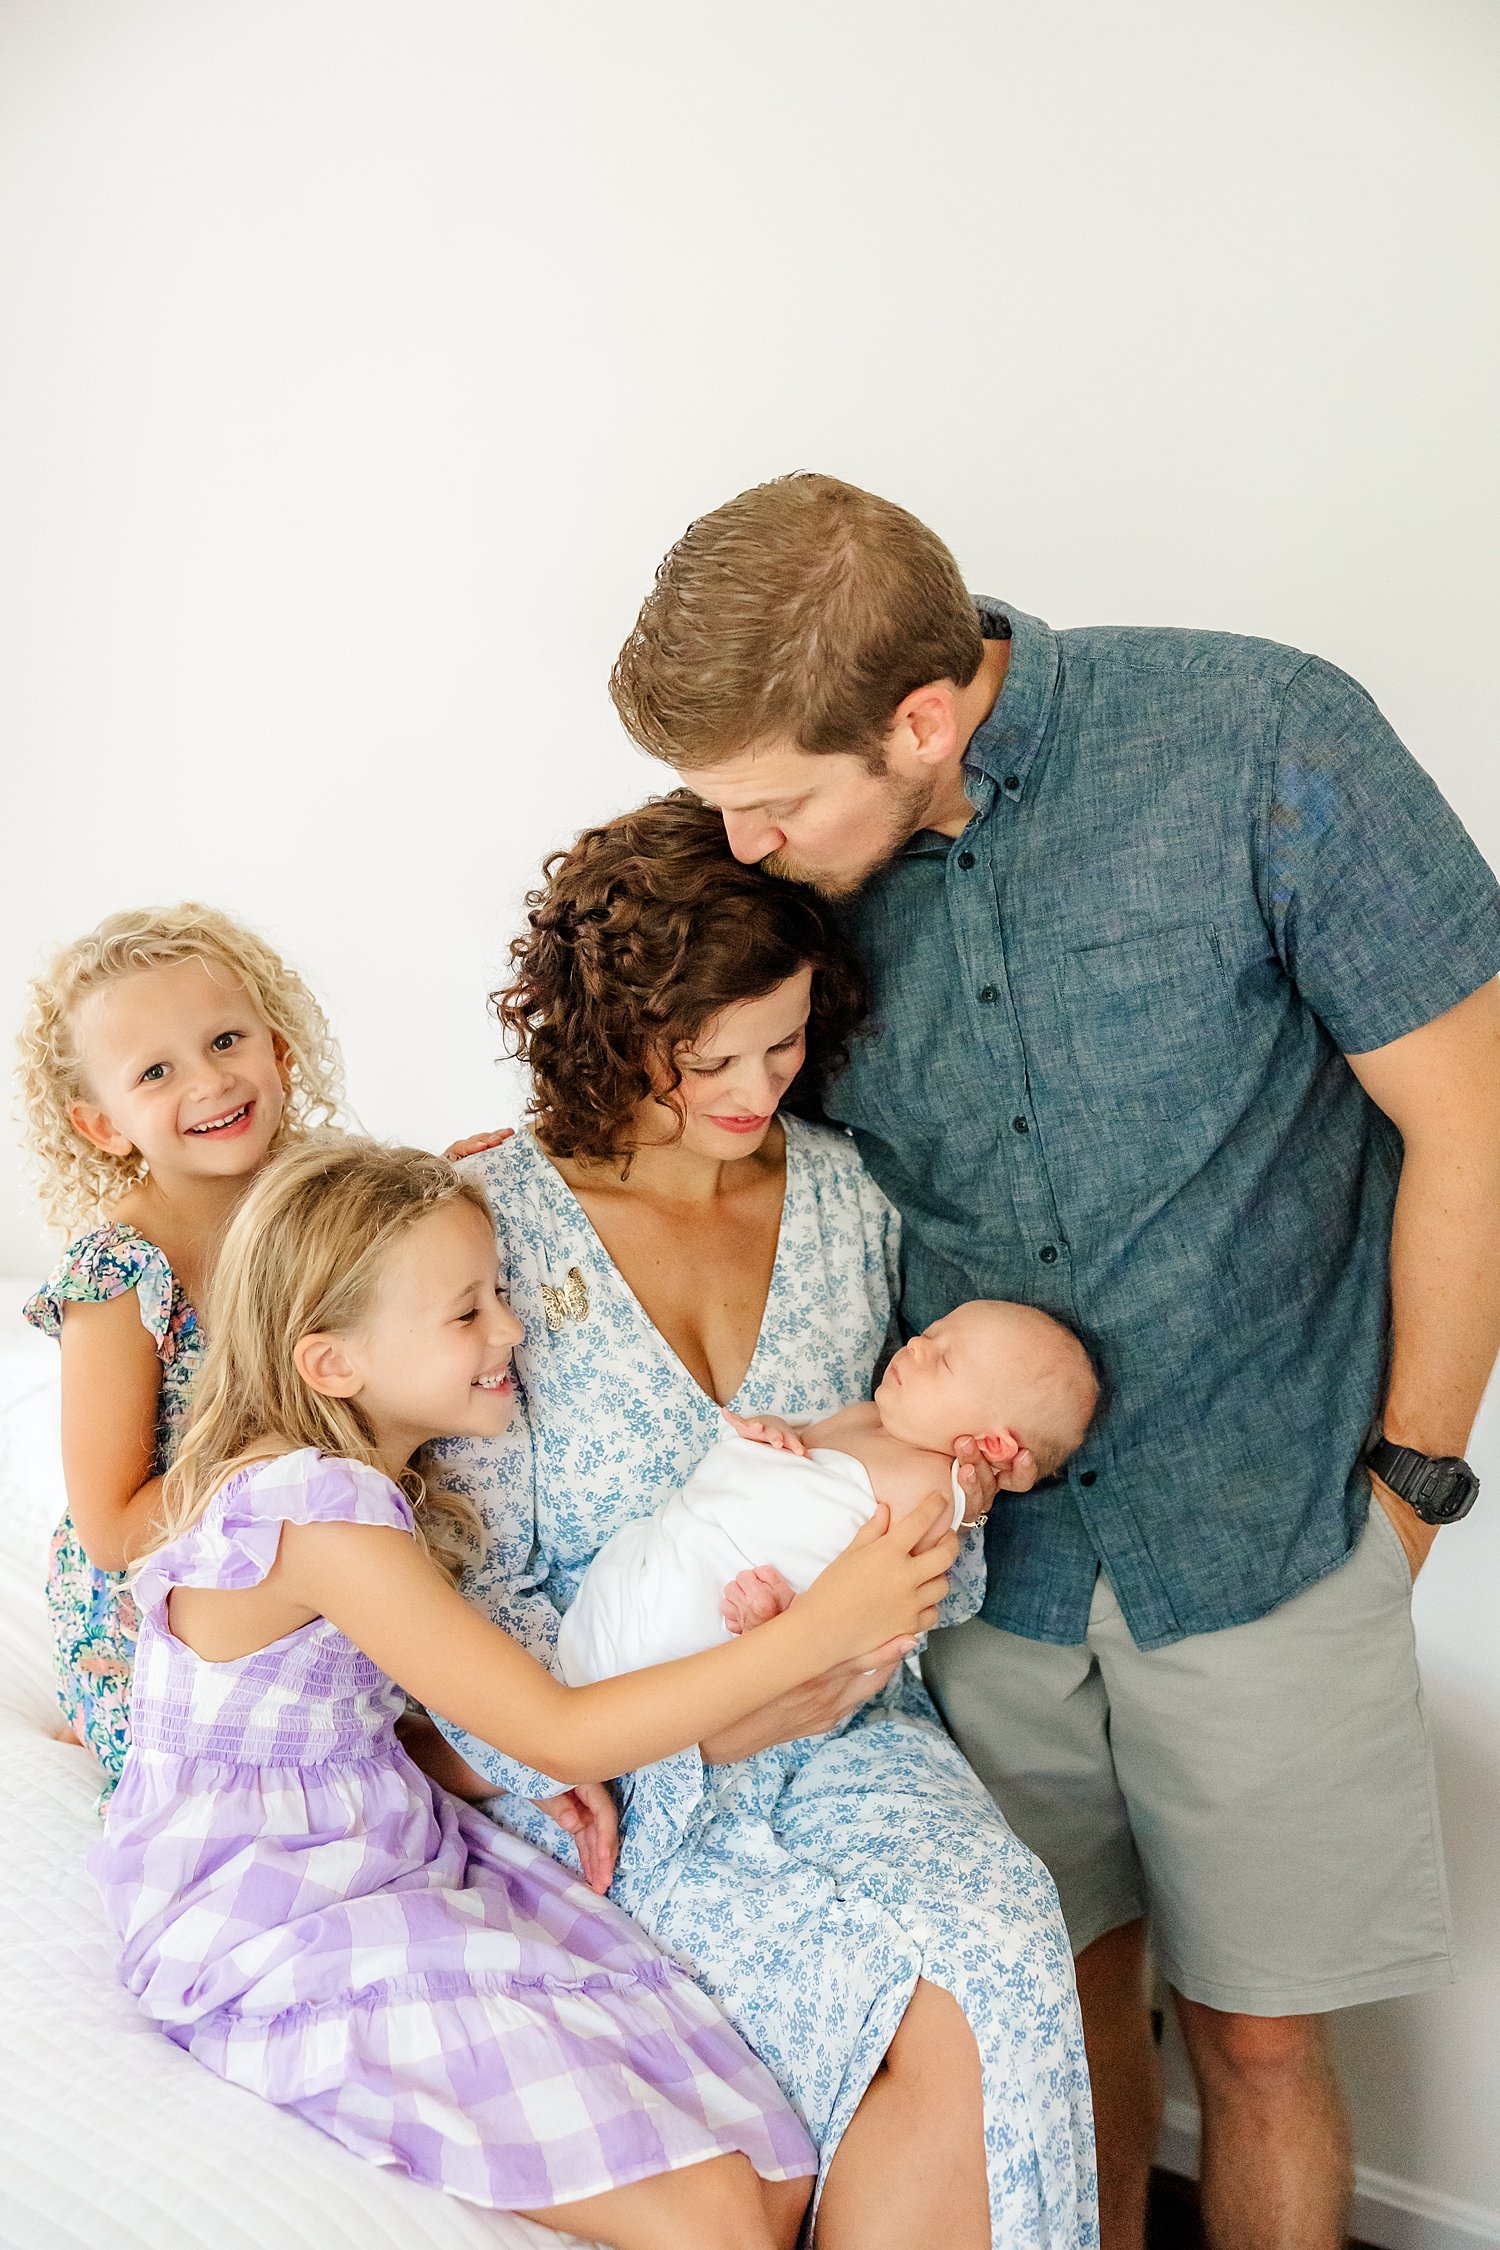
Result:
[[105, 1264], [1382, 908], [234, 1542]]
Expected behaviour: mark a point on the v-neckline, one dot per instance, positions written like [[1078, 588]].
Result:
[[675, 1359]]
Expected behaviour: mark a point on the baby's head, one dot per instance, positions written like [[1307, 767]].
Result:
[[1007, 1375], [173, 1042]]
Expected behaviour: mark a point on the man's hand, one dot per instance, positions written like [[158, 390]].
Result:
[[588, 1814], [1415, 1536], [754, 1598], [768, 1429], [477, 1143]]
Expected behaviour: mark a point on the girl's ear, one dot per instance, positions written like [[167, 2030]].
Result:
[[88, 1120], [283, 1053], [323, 1364]]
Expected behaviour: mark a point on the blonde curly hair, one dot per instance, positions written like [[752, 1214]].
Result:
[[76, 1178]]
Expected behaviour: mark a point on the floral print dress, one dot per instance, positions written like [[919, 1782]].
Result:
[[92, 1611], [809, 1887]]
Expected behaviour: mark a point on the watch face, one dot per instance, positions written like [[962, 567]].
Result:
[[1445, 1491]]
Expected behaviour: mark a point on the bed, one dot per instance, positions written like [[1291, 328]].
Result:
[[117, 2140]]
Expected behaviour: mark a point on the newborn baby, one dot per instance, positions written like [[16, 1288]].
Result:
[[769, 1507]]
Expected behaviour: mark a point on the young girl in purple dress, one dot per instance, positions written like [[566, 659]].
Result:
[[303, 1909]]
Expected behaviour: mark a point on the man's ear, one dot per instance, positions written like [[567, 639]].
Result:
[[924, 731], [90, 1121], [323, 1364]]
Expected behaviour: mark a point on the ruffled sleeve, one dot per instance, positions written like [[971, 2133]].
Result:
[[105, 1264], [233, 1544]]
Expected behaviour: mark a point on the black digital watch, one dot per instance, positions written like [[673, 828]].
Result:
[[1437, 1487]]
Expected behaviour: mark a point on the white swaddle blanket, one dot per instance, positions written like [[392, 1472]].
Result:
[[653, 1590]]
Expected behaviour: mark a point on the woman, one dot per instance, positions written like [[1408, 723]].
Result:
[[674, 1244]]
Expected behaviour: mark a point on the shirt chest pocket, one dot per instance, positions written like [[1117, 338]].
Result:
[[1150, 1024]]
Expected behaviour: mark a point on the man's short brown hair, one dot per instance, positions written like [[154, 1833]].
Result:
[[804, 610]]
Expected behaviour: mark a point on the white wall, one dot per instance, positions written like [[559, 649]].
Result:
[[360, 360]]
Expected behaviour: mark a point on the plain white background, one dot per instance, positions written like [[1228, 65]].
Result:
[[360, 360]]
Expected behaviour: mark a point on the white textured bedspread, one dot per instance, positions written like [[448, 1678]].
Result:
[[114, 2140]]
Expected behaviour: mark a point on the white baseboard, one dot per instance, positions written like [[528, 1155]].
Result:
[[1393, 2214]]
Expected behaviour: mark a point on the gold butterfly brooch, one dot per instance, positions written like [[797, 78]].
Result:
[[568, 1300]]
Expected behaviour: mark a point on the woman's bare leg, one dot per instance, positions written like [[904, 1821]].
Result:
[[910, 2171], [721, 2204]]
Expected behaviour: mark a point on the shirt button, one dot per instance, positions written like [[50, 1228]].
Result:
[[1012, 785], [966, 859], [1019, 1125], [1088, 1476], [1048, 1254], [987, 992]]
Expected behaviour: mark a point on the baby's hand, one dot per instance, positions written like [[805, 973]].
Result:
[[754, 1598], [768, 1429]]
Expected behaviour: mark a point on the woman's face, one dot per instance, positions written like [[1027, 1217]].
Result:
[[736, 1071]]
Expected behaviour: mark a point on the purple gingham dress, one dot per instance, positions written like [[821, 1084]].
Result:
[[300, 1908]]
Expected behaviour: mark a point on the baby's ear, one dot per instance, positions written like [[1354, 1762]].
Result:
[[1014, 1467]]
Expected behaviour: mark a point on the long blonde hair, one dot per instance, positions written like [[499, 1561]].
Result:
[[303, 1256], [76, 1177]]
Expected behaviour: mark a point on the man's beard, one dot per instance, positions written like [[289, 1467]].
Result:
[[906, 803]]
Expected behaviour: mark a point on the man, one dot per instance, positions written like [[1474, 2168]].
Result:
[[1184, 1029]]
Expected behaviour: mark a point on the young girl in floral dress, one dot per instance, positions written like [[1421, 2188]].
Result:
[[298, 1905], [163, 1057]]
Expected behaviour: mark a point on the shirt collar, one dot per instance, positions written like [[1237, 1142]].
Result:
[[1004, 745]]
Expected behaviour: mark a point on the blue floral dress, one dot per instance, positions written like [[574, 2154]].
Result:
[[809, 1887], [92, 1612]]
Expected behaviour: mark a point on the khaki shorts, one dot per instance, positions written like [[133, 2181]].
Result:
[[1265, 1793]]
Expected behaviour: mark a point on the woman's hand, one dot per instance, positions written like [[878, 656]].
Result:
[[428, 1747], [588, 1813], [813, 1708], [980, 1481], [477, 1143]]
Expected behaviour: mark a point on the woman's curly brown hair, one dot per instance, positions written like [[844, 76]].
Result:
[[642, 931]]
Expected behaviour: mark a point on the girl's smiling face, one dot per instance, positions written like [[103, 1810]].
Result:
[[432, 1356], [180, 1065]]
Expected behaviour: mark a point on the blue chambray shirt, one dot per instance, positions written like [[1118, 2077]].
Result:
[[1104, 1075]]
